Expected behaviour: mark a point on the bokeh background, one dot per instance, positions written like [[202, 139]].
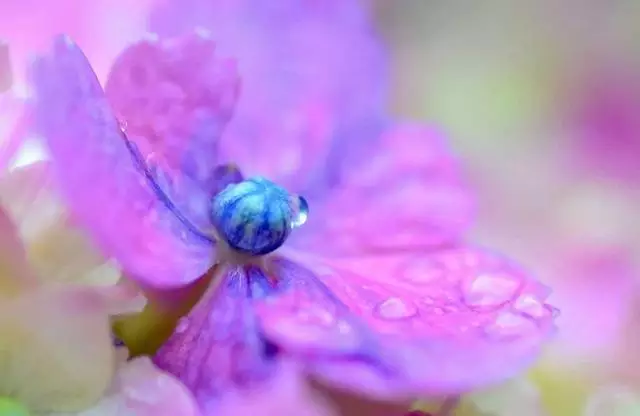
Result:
[[541, 99]]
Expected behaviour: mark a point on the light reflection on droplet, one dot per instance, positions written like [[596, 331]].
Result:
[[183, 325], [302, 212], [395, 308]]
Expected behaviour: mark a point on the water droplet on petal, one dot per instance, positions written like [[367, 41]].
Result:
[[301, 212], [530, 305], [510, 325], [395, 308], [183, 325], [438, 311], [294, 334], [202, 32], [490, 290], [316, 316]]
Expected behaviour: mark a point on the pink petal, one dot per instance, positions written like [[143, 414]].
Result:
[[313, 78], [291, 392], [218, 345], [174, 98], [29, 25], [403, 326], [430, 324], [287, 393], [106, 191], [406, 192]]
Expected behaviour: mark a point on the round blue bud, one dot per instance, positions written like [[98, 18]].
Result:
[[256, 216]]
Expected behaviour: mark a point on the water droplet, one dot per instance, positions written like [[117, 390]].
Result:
[[530, 306], [203, 33], [428, 301], [343, 327], [316, 316], [509, 325], [183, 325], [395, 308], [151, 37], [301, 212], [490, 290]]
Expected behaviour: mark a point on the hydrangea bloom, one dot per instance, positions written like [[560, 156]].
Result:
[[376, 294]]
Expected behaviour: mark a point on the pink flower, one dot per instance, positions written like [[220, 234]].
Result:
[[378, 295]]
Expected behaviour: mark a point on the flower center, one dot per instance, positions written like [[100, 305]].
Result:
[[11, 407], [256, 216]]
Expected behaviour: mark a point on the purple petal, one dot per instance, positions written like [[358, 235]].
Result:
[[406, 326], [406, 192], [105, 189], [312, 71], [217, 347], [177, 96]]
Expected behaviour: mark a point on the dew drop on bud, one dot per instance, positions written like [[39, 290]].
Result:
[[301, 212]]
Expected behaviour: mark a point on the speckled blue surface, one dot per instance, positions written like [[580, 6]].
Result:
[[254, 216]]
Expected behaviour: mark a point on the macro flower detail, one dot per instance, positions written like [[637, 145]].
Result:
[[311, 77], [367, 284], [256, 216]]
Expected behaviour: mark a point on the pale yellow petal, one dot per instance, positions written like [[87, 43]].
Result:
[[55, 349], [26, 193], [122, 298], [62, 254], [58, 250], [15, 273]]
